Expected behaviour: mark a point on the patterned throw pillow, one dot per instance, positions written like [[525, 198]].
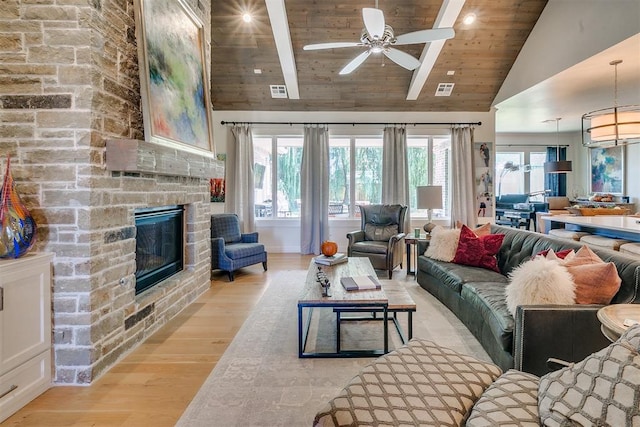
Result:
[[601, 390], [511, 400], [478, 251]]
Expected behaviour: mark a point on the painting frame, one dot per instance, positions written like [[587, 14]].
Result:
[[484, 167], [174, 79], [607, 167]]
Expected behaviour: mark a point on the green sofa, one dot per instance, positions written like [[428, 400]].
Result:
[[477, 297]]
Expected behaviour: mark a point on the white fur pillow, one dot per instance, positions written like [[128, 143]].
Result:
[[443, 244], [540, 281]]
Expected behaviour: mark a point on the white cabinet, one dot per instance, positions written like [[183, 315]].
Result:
[[25, 330]]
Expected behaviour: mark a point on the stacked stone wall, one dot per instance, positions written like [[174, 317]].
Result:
[[68, 82]]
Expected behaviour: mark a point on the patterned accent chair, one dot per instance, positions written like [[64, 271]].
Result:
[[381, 236], [230, 249]]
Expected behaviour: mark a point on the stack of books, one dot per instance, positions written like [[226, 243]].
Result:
[[360, 283], [331, 260]]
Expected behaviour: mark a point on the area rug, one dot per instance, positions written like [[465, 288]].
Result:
[[260, 381]]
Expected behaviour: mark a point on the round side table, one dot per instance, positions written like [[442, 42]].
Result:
[[612, 318]]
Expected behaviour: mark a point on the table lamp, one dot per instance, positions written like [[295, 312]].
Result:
[[429, 198]]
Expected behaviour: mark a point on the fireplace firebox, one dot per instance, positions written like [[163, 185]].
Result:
[[159, 245]]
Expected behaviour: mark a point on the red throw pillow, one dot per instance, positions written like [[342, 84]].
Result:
[[560, 254], [478, 251]]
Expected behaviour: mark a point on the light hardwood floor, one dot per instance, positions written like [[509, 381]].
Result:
[[153, 385]]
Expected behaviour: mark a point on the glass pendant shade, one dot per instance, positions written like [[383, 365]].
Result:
[[17, 227]]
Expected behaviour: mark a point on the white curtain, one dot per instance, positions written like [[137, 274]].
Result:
[[463, 206], [239, 195], [395, 170], [314, 189]]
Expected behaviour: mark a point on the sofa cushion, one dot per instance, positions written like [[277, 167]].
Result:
[[421, 383], [226, 226], [243, 250], [511, 400], [370, 247], [380, 232], [603, 389], [489, 300], [478, 251], [455, 275]]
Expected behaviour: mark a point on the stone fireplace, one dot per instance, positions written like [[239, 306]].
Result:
[[159, 245], [70, 85]]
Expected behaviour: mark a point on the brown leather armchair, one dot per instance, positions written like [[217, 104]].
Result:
[[381, 236]]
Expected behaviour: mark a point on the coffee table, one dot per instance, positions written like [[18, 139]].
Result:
[[392, 298]]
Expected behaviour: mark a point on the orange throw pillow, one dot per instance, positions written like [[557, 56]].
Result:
[[483, 230], [597, 282]]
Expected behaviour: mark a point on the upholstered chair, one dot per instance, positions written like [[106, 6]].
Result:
[[231, 249], [381, 236]]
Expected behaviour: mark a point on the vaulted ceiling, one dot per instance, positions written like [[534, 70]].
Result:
[[480, 55]]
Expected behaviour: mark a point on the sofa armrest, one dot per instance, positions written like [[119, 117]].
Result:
[[355, 236], [394, 240], [218, 256], [249, 237], [569, 333]]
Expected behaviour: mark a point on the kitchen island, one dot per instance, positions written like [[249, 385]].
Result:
[[616, 226]]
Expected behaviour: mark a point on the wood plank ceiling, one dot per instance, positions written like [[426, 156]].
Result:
[[481, 55]]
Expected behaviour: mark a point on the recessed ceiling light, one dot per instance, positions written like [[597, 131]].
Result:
[[469, 19], [451, 72], [246, 17], [257, 71]]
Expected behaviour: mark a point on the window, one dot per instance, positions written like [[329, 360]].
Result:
[[288, 160], [526, 178], [355, 173]]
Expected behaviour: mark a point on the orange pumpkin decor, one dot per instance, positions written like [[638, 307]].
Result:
[[329, 248]]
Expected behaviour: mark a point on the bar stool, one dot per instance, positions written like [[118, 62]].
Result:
[[562, 233], [603, 242], [630, 249]]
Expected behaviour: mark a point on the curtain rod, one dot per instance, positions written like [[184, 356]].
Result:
[[348, 123], [531, 145]]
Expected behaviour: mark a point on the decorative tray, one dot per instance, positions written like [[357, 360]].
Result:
[[598, 211]]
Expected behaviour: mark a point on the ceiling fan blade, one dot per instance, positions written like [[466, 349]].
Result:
[[373, 21], [355, 63], [337, 45], [424, 36], [401, 58]]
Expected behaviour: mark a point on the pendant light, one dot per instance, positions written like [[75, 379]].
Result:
[[557, 166], [612, 126]]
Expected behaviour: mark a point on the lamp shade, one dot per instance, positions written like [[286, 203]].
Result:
[[430, 197], [559, 166]]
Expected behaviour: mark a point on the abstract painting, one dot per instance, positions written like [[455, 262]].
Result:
[[173, 76], [607, 170]]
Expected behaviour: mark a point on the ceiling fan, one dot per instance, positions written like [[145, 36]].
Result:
[[378, 37]]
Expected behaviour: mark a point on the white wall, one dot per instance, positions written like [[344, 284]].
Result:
[[283, 235], [567, 33]]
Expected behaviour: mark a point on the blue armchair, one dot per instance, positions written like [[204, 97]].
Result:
[[230, 249]]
